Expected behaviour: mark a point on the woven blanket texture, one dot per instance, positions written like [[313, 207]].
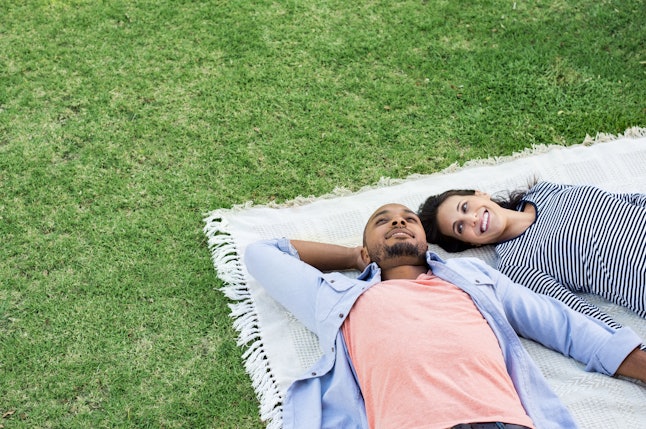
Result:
[[277, 348]]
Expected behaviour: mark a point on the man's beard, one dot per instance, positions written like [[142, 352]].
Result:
[[395, 251]]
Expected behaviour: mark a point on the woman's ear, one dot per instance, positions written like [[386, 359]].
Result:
[[482, 194]]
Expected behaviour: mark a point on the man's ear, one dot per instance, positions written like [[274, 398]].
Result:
[[364, 256]]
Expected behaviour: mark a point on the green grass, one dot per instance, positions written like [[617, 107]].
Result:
[[122, 123]]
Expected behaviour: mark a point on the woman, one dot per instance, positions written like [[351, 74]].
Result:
[[554, 239]]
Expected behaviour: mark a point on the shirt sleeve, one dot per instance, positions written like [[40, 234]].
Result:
[[542, 283], [294, 284], [555, 325]]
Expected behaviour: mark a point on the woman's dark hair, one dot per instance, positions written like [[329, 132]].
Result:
[[428, 215]]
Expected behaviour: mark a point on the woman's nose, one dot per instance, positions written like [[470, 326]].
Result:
[[474, 217], [470, 218]]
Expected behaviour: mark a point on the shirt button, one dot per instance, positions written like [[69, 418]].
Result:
[[477, 281], [332, 281], [340, 315], [313, 374], [332, 349]]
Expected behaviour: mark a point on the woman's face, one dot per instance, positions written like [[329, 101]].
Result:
[[473, 219]]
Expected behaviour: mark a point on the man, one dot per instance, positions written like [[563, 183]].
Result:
[[416, 342]]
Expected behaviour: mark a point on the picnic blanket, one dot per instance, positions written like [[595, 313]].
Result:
[[277, 348]]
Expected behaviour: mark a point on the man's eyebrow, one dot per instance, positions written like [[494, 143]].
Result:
[[379, 214], [385, 211]]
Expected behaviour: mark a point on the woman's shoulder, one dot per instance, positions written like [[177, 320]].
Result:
[[544, 189], [545, 185]]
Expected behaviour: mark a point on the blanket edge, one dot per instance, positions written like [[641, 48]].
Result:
[[228, 266], [632, 132]]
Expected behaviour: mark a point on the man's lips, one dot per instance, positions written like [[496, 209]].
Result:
[[399, 232]]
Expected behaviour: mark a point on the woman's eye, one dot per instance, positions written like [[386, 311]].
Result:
[[459, 228], [411, 219], [380, 221], [464, 208]]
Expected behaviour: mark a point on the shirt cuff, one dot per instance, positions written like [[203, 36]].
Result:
[[286, 246], [614, 351]]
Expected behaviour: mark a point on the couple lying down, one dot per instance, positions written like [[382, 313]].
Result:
[[418, 342]]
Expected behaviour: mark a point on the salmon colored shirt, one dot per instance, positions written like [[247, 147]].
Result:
[[426, 358]]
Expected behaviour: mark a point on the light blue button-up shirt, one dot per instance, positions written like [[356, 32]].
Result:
[[328, 394]]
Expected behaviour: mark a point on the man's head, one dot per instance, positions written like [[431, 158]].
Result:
[[394, 237]]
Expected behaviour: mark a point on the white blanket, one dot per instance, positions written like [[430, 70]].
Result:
[[278, 348]]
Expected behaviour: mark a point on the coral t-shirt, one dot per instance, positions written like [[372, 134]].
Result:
[[426, 358]]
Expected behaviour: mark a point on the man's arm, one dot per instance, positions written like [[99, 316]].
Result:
[[540, 282], [329, 257], [555, 325], [634, 366], [287, 279], [291, 271]]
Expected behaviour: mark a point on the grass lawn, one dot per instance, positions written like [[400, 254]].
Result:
[[122, 123]]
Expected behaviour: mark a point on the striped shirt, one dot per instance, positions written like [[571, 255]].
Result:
[[584, 240]]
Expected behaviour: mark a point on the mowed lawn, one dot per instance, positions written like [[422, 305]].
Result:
[[122, 123]]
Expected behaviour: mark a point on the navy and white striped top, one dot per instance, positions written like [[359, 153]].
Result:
[[586, 240]]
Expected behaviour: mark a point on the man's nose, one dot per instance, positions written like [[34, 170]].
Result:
[[400, 220]]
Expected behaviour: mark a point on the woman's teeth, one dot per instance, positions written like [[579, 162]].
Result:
[[484, 224]]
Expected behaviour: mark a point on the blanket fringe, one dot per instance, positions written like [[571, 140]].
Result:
[[226, 260], [633, 132]]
